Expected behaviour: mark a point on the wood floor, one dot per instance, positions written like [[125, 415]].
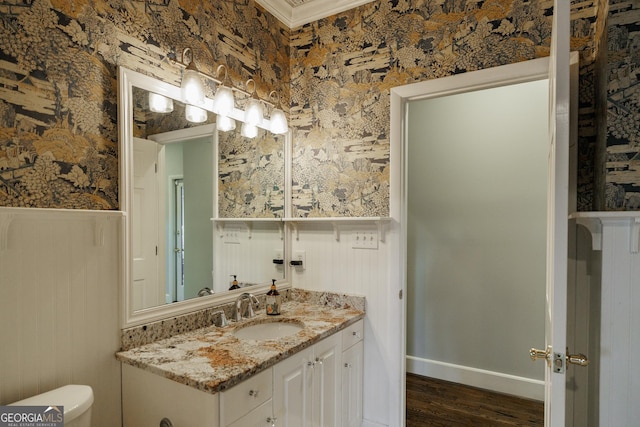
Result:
[[437, 403]]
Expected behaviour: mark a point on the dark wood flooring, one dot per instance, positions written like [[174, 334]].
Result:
[[437, 403]]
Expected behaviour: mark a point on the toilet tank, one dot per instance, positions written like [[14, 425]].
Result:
[[76, 399]]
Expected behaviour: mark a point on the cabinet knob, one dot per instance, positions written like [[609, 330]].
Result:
[[166, 422], [272, 420], [318, 361], [347, 365], [254, 393]]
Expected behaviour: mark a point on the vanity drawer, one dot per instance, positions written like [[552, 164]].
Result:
[[246, 396], [259, 417], [352, 334]]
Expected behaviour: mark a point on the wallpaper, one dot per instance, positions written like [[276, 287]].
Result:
[[58, 82], [344, 66], [58, 85], [623, 106], [251, 175]]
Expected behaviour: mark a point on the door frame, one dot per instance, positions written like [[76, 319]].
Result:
[[505, 75]]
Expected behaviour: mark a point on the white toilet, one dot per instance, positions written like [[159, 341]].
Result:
[[76, 399]]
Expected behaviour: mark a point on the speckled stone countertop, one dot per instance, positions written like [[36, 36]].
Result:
[[213, 359]]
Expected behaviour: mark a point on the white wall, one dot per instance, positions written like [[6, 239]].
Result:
[[477, 181], [335, 266], [59, 305]]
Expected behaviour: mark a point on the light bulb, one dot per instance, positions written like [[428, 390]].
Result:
[[195, 114], [249, 131], [159, 103], [225, 123], [192, 87], [278, 125], [223, 101], [253, 113]]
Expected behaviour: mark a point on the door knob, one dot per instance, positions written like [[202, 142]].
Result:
[[536, 354], [577, 359], [559, 358]]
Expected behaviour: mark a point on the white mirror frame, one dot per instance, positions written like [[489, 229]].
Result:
[[127, 80]]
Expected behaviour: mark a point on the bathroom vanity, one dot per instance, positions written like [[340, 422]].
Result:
[[310, 374]]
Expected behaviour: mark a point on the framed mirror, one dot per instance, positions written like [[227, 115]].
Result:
[[202, 205]]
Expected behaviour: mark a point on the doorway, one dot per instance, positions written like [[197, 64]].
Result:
[[401, 97], [476, 236]]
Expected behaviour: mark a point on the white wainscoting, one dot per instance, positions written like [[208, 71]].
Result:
[[615, 266], [333, 265], [59, 273], [488, 380]]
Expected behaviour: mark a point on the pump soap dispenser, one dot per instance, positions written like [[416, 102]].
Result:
[[274, 300], [234, 284]]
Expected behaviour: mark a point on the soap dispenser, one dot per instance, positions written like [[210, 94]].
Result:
[[234, 283], [274, 300]]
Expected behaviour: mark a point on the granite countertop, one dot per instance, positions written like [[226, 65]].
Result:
[[212, 359]]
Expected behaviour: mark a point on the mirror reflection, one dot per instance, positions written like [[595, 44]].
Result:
[[205, 204]]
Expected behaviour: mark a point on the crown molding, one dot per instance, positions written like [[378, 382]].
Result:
[[307, 12]]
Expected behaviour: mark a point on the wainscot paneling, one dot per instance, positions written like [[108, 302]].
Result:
[[333, 265], [615, 272], [59, 305]]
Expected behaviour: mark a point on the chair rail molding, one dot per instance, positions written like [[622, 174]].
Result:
[[595, 221]]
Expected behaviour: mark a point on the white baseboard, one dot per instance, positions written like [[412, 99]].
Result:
[[488, 380]]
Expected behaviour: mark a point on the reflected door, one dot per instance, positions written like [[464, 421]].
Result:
[[146, 292]]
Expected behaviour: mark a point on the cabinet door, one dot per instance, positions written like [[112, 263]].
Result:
[[259, 417], [292, 390], [327, 382], [352, 368]]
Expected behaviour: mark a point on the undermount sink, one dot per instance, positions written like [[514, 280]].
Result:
[[269, 330]]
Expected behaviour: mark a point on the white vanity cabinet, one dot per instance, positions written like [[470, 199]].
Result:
[[308, 385], [352, 374], [320, 386], [147, 398]]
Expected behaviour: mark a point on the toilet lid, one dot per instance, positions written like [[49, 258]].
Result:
[[76, 399]]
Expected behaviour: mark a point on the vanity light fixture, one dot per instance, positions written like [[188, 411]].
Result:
[[195, 114], [159, 103], [253, 112], [248, 130], [192, 86], [223, 101], [278, 121], [225, 123]]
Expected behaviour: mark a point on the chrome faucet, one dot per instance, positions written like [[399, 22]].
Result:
[[249, 312]]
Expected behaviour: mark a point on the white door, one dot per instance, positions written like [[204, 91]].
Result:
[[146, 292], [557, 215]]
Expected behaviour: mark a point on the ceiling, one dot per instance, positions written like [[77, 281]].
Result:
[[294, 13]]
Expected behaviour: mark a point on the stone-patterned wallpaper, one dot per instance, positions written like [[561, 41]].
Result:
[[58, 82], [344, 66], [623, 106]]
